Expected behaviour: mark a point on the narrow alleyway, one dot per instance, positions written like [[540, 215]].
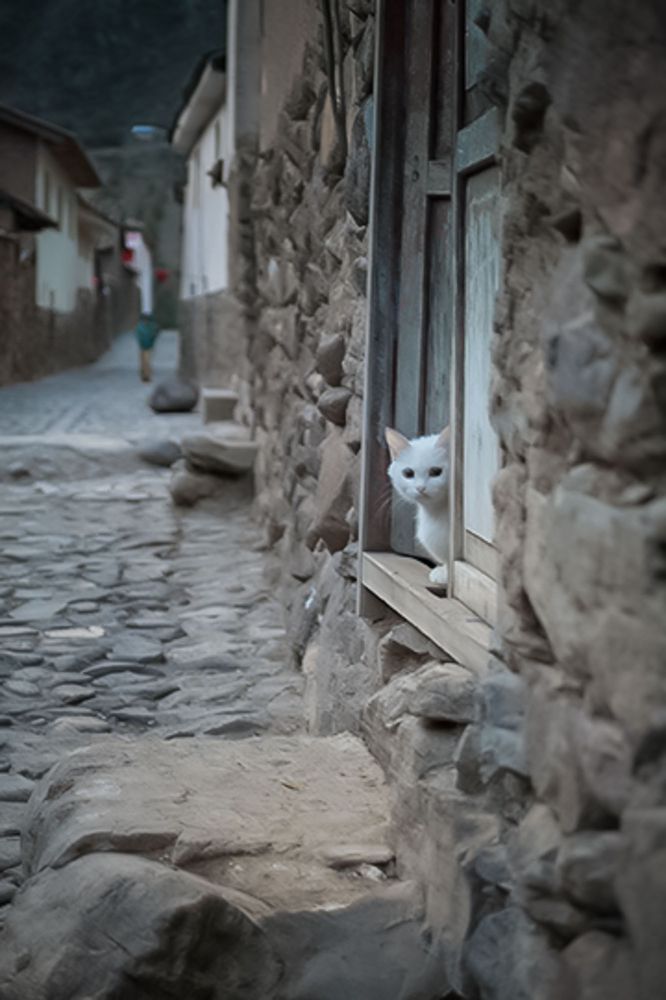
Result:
[[119, 613], [160, 802]]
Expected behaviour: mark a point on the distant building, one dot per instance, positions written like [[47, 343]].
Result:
[[63, 286], [201, 133], [138, 257]]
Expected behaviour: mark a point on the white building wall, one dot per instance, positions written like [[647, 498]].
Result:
[[205, 266], [57, 249], [142, 263]]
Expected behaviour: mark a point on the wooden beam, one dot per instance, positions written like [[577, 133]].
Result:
[[402, 583], [477, 144]]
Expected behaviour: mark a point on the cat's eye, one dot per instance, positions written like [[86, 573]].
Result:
[[435, 471], [408, 473]]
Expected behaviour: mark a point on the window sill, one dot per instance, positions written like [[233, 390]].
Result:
[[402, 583]]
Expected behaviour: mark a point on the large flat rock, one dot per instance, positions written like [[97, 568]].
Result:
[[213, 869], [260, 815]]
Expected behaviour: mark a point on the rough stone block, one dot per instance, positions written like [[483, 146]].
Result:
[[224, 448], [163, 453], [587, 866], [148, 927], [329, 358], [333, 497], [581, 766], [174, 395], [217, 405], [333, 404], [596, 966], [510, 958], [444, 692]]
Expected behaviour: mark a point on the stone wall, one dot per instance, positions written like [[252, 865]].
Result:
[[37, 342], [298, 221], [580, 407], [211, 346], [530, 801]]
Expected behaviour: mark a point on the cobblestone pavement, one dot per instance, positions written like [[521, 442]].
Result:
[[119, 613], [105, 398]]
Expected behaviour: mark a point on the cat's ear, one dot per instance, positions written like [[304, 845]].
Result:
[[443, 438], [396, 441]]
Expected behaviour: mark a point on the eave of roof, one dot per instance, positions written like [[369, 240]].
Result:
[[29, 218], [204, 96], [64, 145]]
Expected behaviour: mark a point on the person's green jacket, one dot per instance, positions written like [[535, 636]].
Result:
[[146, 332]]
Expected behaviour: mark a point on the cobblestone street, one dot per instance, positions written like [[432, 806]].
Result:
[[118, 612]]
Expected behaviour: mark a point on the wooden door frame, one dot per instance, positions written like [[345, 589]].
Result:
[[386, 578]]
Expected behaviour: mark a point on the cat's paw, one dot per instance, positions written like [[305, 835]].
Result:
[[439, 575]]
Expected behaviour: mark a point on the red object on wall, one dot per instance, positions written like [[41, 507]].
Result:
[[162, 275], [127, 255]]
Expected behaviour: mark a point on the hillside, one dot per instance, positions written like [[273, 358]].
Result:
[[100, 67]]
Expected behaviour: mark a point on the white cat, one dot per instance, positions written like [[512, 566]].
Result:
[[419, 472]]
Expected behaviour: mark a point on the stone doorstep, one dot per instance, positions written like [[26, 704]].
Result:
[[279, 828]]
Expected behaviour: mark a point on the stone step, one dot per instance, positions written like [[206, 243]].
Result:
[[269, 856], [218, 404], [223, 448]]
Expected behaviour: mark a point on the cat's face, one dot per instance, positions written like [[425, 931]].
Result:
[[420, 467]]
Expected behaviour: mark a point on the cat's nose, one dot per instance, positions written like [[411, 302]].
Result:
[[421, 489]]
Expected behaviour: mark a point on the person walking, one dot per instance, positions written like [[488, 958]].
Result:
[[146, 335]]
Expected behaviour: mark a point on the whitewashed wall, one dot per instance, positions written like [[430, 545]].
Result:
[[58, 265], [205, 266]]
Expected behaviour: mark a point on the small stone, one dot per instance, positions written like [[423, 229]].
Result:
[[82, 632], [329, 358], [108, 667], [174, 395], [598, 966], [528, 113], [33, 674], [138, 714], [35, 611], [647, 319], [138, 649], [80, 724], [72, 694], [604, 268], [353, 855], [11, 819], [446, 692], [15, 631], [15, 788], [188, 487], [7, 892], [24, 689], [162, 453], [333, 404], [588, 865], [10, 852]]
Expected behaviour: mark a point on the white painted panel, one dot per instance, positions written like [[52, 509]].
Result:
[[481, 452], [205, 266], [56, 250]]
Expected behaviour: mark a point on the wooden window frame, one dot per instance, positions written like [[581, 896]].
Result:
[[461, 625]]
